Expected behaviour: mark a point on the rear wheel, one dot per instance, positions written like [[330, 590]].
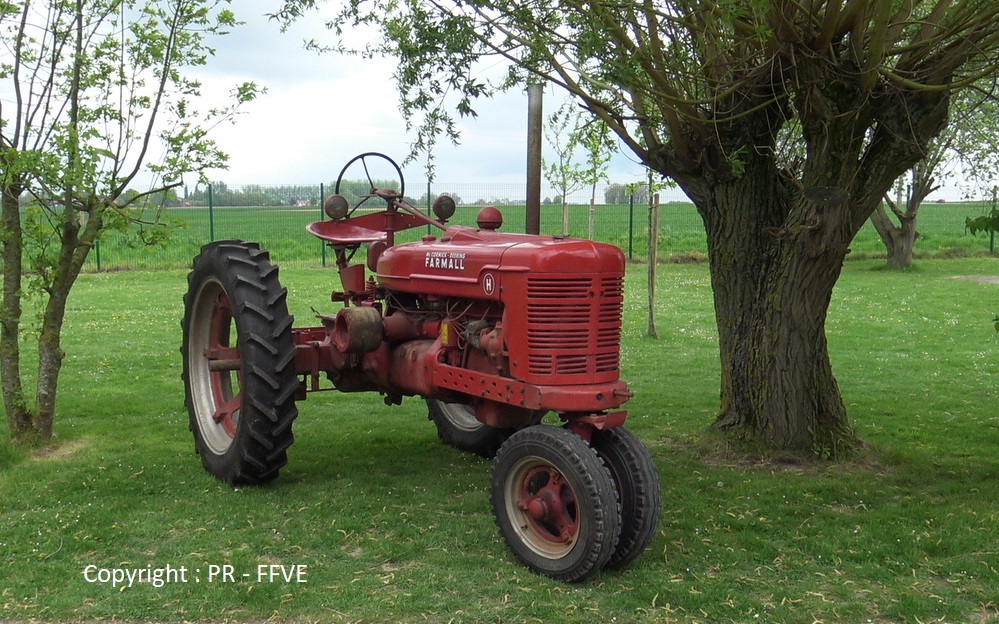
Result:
[[238, 356], [457, 426], [555, 503]]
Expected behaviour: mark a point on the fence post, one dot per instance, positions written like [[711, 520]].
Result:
[[211, 215], [631, 226], [322, 215], [992, 233], [97, 250], [653, 258]]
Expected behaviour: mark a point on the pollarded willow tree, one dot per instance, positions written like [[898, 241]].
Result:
[[93, 93], [964, 150], [706, 92]]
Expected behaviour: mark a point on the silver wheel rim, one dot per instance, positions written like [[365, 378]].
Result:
[[208, 386], [531, 532], [461, 417]]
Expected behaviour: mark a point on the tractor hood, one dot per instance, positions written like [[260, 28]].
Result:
[[468, 262]]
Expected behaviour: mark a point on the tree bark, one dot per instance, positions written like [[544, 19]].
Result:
[[773, 279], [18, 414], [899, 240]]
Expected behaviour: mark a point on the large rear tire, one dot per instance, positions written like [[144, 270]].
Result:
[[239, 363]]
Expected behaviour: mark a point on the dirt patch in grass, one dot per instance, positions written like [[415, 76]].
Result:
[[60, 450], [988, 279], [712, 449]]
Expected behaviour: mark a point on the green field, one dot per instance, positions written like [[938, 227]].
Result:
[[282, 230], [395, 527]]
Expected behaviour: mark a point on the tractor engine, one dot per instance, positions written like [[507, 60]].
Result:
[[509, 324]]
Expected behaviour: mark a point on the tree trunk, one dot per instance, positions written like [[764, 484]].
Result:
[[72, 253], [773, 279], [591, 221], [653, 268], [18, 414], [76, 244], [900, 240], [50, 357]]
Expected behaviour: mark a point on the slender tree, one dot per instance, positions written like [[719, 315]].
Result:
[[594, 137], [92, 89], [562, 171], [703, 92]]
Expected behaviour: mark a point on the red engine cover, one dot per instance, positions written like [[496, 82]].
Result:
[[562, 297]]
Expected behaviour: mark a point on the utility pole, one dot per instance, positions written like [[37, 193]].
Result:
[[535, 122]]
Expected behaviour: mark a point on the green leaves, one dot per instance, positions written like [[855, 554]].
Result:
[[96, 85], [985, 223], [103, 90], [988, 222]]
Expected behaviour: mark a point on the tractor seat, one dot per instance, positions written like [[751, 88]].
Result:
[[344, 232]]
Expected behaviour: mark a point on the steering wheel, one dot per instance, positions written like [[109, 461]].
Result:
[[386, 194]]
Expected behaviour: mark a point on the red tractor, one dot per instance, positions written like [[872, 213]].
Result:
[[493, 330]]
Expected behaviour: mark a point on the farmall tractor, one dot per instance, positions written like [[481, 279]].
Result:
[[494, 330]]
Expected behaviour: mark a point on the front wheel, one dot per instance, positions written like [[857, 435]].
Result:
[[238, 356], [638, 483], [555, 503]]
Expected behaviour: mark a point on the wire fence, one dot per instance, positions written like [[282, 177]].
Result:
[[276, 217]]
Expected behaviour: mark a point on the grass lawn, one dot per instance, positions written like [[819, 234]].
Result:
[[395, 527]]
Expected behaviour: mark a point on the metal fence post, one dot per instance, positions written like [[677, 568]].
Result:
[[322, 213], [211, 215], [992, 234], [631, 226]]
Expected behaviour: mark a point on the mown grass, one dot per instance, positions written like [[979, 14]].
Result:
[[395, 527], [282, 230]]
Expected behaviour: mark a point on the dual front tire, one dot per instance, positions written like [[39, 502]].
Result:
[[567, 508]]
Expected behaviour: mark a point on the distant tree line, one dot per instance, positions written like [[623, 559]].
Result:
[[223, 194]]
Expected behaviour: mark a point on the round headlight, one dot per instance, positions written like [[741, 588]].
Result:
[[444, 207], [336, 207]]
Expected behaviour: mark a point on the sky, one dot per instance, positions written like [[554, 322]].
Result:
[[320, 110]]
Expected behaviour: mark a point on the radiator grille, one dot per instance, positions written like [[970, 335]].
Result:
[[574, 325]]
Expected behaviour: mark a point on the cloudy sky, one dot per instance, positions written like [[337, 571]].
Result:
[[321, 110]]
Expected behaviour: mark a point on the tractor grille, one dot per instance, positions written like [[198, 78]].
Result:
[[574, 325]]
